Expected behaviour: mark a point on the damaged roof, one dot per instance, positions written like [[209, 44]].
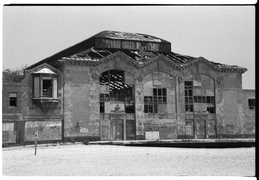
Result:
[[128, 36], [89, 52], [140, 58]]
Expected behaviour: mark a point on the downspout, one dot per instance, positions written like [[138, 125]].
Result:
[[216, 123], [177, 103], [63, 120]]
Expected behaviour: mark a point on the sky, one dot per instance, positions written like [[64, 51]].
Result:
[[223, 34]]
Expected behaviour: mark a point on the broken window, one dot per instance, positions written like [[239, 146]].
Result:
[[251, 103], [151, 103], [148, 104], [204, 99], [13, 99], [159, 95], [199, 99], [101, 107], [103, 98], [209, 100], [195, 99], [188, 89], [211, 110], [116, 78], [120, 85]]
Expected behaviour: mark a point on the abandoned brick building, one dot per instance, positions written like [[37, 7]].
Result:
[[126, 86]]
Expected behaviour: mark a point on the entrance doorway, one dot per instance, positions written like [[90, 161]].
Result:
[[118, 130], [200, 129]]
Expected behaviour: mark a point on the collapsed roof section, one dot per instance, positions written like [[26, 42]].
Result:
[[139, 49], [95, 56]]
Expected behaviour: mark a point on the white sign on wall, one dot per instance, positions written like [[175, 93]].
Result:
[[152, 135]]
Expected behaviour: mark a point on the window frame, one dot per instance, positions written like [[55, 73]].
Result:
[[151, 102], [126, 93], [188, 96], [47, 93], [38, 85], [13, 100], [251, 103]]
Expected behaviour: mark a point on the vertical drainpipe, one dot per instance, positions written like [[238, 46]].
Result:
[[135, 109], [176, 104], [63, 121], [40, 85], [124, 118], [216, 123], [99, 106]]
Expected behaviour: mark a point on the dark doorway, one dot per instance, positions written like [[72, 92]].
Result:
[[119, 130]]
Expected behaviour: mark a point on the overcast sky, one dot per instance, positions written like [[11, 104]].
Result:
[[224, 34]]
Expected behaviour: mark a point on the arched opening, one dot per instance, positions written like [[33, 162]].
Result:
[[159, 93], [200, 106], [160, 121], [117, 100]]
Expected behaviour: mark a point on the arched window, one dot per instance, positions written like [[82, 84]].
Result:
[[159, 93], [117, 92], [199, 94]]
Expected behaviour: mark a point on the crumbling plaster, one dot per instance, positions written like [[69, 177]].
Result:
[[82, 80]]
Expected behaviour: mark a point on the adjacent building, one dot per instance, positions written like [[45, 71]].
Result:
[[127, 86]]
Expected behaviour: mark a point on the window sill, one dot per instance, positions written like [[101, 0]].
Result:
[[12, 107], [46, 99]]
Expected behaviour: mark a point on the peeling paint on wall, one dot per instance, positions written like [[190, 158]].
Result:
[[47, 130]]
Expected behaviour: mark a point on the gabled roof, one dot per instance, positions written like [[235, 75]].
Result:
[[44, 71], [88, 53], [95, 56], [43, 68]]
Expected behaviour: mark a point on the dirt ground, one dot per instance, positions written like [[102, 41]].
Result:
[[108, 160]]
